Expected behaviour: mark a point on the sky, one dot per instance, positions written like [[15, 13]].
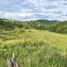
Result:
[[33, 9]]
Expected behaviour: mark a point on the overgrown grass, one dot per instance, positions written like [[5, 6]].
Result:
[[33, 48], [33, 54], [54, 39]]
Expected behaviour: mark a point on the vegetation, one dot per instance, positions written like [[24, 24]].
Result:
[[38, 43], [53, 26]]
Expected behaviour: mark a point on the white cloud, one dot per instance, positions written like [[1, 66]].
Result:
[[18, 16], [34, 9]]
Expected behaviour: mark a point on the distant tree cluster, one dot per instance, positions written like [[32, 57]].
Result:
[[53, 26]]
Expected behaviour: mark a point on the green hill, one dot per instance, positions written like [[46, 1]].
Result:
[[38, 43], [53, 26]]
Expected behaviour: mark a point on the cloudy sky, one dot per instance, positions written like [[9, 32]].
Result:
[[33, 9]]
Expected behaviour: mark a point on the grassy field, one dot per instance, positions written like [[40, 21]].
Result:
[[54, 39], [33, 47]]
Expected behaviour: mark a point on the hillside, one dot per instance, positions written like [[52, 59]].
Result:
[[53, 26], [38, 43]]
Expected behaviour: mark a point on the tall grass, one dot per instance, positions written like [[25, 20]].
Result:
[[33, 54]]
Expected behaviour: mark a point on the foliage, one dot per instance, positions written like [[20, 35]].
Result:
[[53, 26]]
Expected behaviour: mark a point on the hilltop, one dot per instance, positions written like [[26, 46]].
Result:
[[53, 26]]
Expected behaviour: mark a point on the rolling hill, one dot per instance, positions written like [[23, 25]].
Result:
[[40, 43]]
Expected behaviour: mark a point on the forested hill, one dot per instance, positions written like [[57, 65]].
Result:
[[53, 26]]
